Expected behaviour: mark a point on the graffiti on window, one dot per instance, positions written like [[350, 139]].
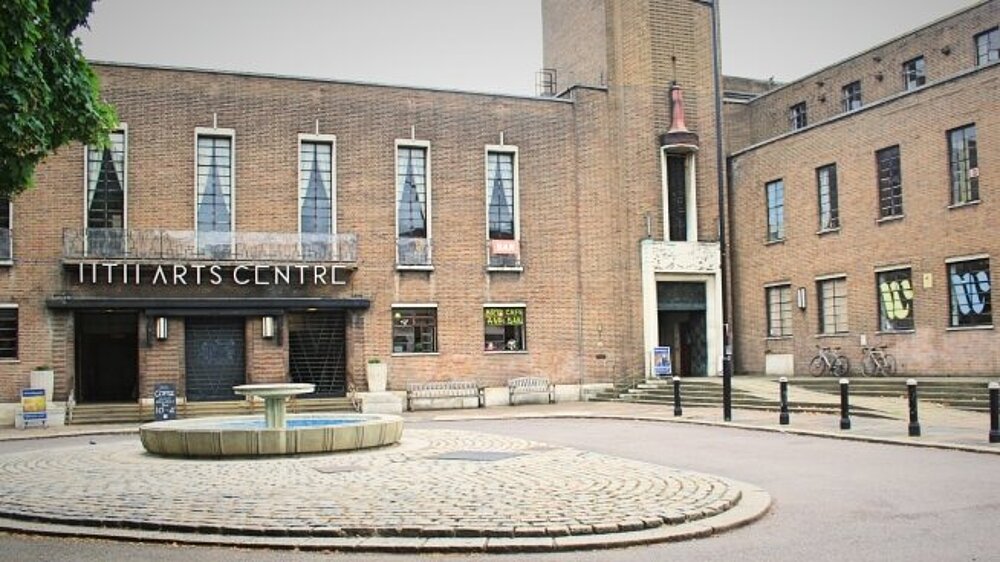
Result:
[[970, 293]]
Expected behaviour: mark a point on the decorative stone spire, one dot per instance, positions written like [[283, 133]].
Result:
[[678, 136]]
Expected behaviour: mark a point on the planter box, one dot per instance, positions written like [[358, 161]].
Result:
[[377, 375]]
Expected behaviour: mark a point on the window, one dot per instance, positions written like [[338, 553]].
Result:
[[969, 295], [895, 300], [826, 183], [797, 116], [8, 331], [775, 211], [504, 328], [412, 203], [832, 305], [316, 197], [677, 196], [214, 207], [779, 311], [963, 164], [851, 96], [105, 205], [913, 74], [890, 182], [6, 250], [988, 46], [414, 330]]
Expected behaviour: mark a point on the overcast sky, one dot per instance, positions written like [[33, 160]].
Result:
[[480, 45]]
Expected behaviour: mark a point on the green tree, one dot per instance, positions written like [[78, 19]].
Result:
[[49, 96]]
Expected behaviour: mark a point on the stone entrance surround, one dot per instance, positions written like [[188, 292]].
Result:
[[437, 490]]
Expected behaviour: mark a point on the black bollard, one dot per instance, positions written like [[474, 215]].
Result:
[[677, 396], [845, 406], [783, 416], [994, 417], [911, 387]]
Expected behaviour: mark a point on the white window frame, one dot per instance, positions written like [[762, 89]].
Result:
[[123, 127], [847, 311], [426, 145], [10, 222], [767, 309], [319, 139], [690, 193], [508, 149], [218, 132], [524, 343]]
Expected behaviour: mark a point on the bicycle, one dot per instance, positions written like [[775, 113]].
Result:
[[829, 361], [875, 361]]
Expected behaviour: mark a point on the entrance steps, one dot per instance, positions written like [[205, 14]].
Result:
[[704, 392], [969, 394], [137, 413]]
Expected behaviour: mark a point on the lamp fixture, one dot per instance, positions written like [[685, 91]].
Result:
[[162, 328]]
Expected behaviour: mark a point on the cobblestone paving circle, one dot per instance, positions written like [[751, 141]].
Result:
[[521, 489]]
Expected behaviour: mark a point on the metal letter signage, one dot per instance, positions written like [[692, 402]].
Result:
[[180, 274]]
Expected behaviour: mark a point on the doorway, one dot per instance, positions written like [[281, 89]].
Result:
[[214, 357], [107, 357], [681, 324], [317, 350]]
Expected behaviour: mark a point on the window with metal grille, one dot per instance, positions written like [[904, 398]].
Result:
[[826, 183], [5, 238], [988, 46], [890, 182], [894, 290], [504, 328], [779, 311], [913, 73], [797, 116], [106, 183], [413, 246], [775, 210], [500, 193], [832, 295], [316, 198], [8, 332], [414, 330], [969, 294], [963, 163], [215, 194], [851, 96]]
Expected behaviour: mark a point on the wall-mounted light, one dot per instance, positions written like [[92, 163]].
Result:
[[267, 327], [162, 328], [800, 298]]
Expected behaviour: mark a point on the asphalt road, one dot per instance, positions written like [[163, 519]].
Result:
[[833, 500]]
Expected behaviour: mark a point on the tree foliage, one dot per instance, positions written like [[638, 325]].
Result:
[[49, 95]]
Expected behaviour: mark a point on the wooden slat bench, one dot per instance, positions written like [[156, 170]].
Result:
[[444, 389], [531, 385]]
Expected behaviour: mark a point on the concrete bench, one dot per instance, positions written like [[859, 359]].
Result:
[[444, 389], [531, 385]]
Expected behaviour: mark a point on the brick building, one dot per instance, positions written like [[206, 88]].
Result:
[[863, 205], [255, 228]]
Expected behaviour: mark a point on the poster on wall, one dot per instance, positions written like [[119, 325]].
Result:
[[661, 362], [33, 407]]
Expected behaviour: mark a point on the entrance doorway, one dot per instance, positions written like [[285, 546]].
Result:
[[214, 358], [107, 357], [318, 352], [681, 325]]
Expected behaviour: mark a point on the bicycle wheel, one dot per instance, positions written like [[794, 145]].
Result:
[[868, 365], [841, 366], [890, 365], [817, 367]]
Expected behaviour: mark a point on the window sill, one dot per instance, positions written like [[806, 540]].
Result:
[[414, 267], [779, 338], [8, 361], [415, 354], [500, 269], [895, 332], [773, 242], [968, 328], [966, 204], [823, 231], [503, 352], [836, 335], [6, 263], [890, 218]]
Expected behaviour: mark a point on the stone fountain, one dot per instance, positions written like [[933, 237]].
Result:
[[277, 433]]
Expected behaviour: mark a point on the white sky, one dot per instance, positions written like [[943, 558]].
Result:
[[480, 45]]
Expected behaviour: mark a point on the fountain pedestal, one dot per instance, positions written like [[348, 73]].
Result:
[[274, 396]]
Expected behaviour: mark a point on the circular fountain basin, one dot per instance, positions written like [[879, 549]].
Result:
[[249, 436]]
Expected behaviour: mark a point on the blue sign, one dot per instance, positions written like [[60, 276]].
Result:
[[165, 402], [661, 362], [33, 406]]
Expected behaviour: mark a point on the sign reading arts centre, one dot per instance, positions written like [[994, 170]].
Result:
[[208, 274]]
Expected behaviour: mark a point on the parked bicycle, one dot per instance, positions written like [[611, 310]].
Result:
[[875, 361], [829, 361]]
